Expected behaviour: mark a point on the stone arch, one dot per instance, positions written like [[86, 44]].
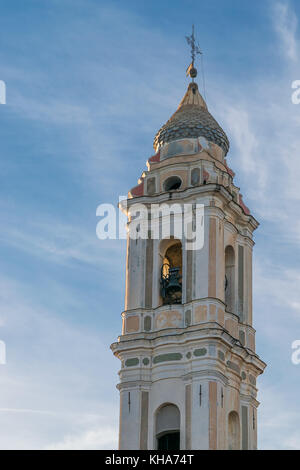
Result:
[[230, 279], [167, 427], [233, 431]]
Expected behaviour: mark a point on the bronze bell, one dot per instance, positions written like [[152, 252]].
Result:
[[170, 285], [173, 286]]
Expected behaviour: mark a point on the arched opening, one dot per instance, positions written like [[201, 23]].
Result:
[[171, 272], [168, 428], [229, 279], [172, 183], [233, 431]]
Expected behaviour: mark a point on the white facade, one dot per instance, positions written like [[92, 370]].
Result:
[[189, 369]]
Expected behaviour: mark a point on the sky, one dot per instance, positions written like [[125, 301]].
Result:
[[88, 84]]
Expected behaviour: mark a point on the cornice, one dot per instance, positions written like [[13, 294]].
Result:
[[210, 189]]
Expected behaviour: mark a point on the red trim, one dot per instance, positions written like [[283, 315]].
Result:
[[155, 158], [230, 171], [244, 207], [138, 190]]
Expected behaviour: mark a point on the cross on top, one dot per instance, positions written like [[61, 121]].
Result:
[[195, 49]]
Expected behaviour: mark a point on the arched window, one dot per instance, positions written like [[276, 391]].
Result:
[[171, 272], [172, 183], [168, 427], [233, 431], [230, 279]]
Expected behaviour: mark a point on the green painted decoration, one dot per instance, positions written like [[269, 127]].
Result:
[[200, 352], [167, 357], [188, 318], [221, 355], [233, 366], [131, 362], [252, 380]]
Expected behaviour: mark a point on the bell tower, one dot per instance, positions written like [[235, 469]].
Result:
[[187, 349]]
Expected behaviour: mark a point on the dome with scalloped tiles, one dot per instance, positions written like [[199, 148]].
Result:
[[191, 120]]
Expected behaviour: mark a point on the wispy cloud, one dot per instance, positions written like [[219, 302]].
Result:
[[98, 438], [241, 124], [35, 378], [112, 79], [62, 243], [286, 25], [278, 420]]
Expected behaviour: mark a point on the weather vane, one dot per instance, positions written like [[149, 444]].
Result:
[[195, 49]]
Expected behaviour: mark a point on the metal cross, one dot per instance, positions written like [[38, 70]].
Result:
[[195, 49]]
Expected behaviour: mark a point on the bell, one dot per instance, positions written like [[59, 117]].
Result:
[[170, 285], [173, 285]]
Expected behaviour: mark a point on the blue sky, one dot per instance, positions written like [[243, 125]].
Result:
[[88, 85]]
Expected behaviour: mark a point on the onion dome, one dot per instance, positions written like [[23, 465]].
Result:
[[192, 120]]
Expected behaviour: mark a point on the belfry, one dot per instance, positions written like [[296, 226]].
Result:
[[187, 349]]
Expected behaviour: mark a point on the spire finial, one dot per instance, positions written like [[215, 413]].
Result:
[[195, 49]]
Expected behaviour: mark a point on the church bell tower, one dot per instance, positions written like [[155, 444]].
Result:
[[187, 349]]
